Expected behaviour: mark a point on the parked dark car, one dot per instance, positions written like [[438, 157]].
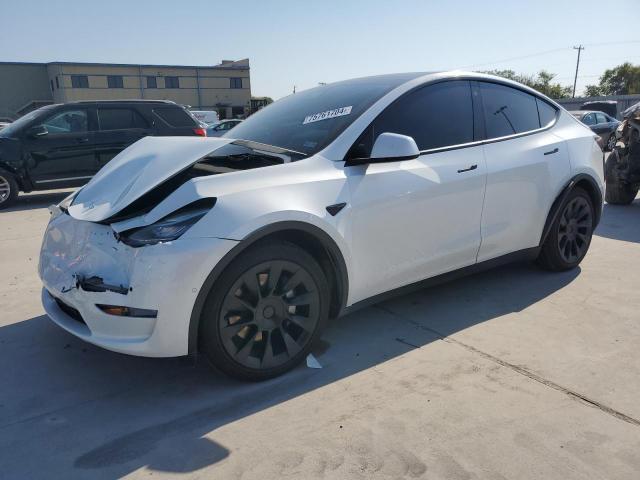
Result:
[[610, 107], [64, 145], [602, 124]]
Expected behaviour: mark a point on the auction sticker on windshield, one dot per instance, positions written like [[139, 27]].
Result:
[[336, 112]]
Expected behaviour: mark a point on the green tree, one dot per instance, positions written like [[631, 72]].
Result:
[[621, 80], [543, 82], [592, 91]]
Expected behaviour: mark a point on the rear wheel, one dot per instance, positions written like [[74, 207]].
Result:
[[570, 235], [8, 189], [265, 312], [611, 143], [617, 192]]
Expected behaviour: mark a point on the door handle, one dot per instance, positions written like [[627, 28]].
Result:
[[468, 169], [82, 140], [551, 152]]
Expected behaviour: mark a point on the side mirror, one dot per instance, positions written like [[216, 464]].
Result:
[[38, 131], [393, 146], [389, 147]]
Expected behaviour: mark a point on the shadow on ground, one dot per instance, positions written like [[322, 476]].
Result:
[[89, 412], [37, 200], [620, 222]]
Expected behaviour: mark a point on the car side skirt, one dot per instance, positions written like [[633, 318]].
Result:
[[525, 255]]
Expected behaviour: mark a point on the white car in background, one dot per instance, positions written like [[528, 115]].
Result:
[[208, 117], [325, 201], [222, 127]]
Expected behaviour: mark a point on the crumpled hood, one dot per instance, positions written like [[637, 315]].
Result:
[[136, 170]]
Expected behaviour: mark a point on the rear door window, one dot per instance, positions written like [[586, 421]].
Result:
[[507, 111], [176, 117], [589, 119], [120, 119]]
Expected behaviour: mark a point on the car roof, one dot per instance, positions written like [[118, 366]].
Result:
[[135, 100], [585, 112], [428, 77]]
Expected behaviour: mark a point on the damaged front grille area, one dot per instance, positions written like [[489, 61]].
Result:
[[96, 284], [69, 310]]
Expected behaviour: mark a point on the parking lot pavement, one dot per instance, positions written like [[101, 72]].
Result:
[[513, 373]]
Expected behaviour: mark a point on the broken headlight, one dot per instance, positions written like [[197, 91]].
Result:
[[169, 228], [67, 201]]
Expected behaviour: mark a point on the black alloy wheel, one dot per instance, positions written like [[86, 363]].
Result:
[[266, 312], [269, 314], [574, 229], [570, 234]]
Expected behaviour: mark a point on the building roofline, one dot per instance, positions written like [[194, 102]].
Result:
[[227, 66]]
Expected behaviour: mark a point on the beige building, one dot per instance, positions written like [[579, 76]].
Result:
[[225, 88]]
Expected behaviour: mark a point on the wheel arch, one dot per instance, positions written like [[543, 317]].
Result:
[[311, 238], [587, 183]]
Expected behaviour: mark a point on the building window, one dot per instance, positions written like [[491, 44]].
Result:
[[236, 82], [171, 82], [114, 81], [57, 82], [51, 81], [152, 82], [79, 81]]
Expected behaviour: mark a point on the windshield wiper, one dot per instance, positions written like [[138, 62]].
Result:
[[264, 147]]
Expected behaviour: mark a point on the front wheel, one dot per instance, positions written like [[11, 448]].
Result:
[[570, 235], [8, 189], [265, 312]]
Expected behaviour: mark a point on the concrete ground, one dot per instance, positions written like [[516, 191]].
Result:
[[511, 374]]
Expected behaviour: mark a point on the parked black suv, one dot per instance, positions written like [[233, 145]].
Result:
[[60, 146]]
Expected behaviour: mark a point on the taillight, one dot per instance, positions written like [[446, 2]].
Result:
[[201, 132]]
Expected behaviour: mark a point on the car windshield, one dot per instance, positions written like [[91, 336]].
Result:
[[12, 129], [308, 121]]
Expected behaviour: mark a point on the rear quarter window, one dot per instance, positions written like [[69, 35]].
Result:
[[546, 112], [507, 111], [175, 117]]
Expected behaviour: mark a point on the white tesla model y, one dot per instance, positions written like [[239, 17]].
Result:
[[243, 247]]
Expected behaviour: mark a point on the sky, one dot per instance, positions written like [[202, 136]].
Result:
[[302, 43]]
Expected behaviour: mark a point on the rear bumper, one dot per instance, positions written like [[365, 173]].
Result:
[[165, 277]]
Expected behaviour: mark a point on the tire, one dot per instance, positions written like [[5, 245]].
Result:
[[570, 235], [617, 192], [611, 142], [265, 312], [8, 189]]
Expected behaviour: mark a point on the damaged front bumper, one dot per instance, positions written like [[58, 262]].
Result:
[[83, 265]]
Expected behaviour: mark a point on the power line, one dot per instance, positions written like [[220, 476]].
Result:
[[546, 52], [602, 44]]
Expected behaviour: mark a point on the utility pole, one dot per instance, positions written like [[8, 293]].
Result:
[[575, 80]]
